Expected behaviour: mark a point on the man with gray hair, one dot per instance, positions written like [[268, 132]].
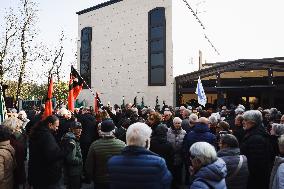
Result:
[[213, 122], [256, 146], [208, 170], [137, 167], [277, 129], [168, 119]]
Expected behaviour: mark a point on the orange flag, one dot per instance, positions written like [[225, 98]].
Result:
[[48, 102], [75, 87]]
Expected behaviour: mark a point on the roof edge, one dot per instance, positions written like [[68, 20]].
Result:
[[221, 64], [98, 6]]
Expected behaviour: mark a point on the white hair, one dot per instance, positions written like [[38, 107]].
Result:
[[216, 115], [137, 134], [193, 117], [177, 119], [254, 116], [167, 112], [241, 106], [187, 112], [239, 111], [12, 123], [22, 114], [213, 120], [63, 111], [278, 129], [182, 108], [203, 151]]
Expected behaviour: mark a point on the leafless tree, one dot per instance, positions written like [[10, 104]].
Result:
[[53, 59], [28, 18], [7, 43]]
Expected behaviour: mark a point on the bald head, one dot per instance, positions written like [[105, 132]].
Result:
[[203, 120]]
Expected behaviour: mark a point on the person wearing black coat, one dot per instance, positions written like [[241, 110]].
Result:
[[238, 130], [46, 157], [89, 134], [257, 148], [120, 132], [161, 146]]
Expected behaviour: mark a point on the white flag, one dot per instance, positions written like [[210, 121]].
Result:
[[200, 93]]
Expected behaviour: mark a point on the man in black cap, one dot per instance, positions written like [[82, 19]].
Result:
[[99, 153]]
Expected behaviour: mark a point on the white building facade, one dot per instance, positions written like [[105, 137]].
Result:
[[126, 49]]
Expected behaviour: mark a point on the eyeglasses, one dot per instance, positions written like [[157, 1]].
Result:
[[177, 122]]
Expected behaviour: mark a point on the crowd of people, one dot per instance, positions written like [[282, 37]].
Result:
[[143, 148]]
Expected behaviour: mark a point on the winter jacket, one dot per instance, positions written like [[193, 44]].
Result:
[[89, 128], [200, 133], [138, 168], [175, 138], [257, 148], [7, 165], [73, 164], [277, 174], [163, 148], [211, 176], [239, 133], [20, 172], [234, 180], [46, 157], [99, 153]]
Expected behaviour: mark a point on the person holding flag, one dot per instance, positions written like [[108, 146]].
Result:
[[202, 99]]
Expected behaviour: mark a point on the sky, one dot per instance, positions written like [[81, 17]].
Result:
[[237, 28]]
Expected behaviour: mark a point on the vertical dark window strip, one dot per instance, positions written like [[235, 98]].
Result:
[[157, 47], [85, 55]]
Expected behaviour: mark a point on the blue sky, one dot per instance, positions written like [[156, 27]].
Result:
[[238, 28]]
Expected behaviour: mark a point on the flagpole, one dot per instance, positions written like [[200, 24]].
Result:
[[86, 84]]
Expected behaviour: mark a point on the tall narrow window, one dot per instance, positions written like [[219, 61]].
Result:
[[157, 47], [85, 55]]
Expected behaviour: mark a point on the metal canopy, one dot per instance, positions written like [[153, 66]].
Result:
[[275, 64]]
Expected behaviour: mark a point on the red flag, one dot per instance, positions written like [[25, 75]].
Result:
[[75, 87], [48, 102]]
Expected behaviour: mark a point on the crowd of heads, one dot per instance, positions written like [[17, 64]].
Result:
[[139, 125]]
